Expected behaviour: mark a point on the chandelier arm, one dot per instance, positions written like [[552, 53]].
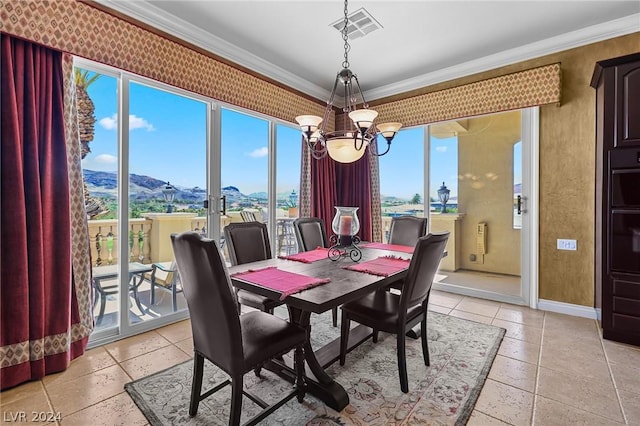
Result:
[[327, 111], [318, 153], [386, 150], [364, 101], [347, 106], [357, 146]]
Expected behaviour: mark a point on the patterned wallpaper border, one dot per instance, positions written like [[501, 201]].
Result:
[[532, 87], [80, 29]]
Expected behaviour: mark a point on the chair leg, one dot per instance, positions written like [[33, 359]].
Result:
[[153, 293], [375, 336], [334, 313], [236, 400], [196, 383], [301, 386], [402, 363], [174, 299], [344, 336], [423, 337], [257, 370]]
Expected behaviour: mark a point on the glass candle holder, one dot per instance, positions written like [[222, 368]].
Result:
[[345, 224]]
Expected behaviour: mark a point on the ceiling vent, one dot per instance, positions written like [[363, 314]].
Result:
[[360, 23]]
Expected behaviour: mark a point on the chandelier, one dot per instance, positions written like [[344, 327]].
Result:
[[349, 144]]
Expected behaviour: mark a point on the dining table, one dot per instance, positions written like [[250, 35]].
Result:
[[336, 285]]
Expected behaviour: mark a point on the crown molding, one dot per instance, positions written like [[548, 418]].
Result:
[[149, 14], [570, 40]]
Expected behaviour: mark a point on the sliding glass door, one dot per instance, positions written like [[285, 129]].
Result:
[[145, 168], [167, 145], [151, 155]]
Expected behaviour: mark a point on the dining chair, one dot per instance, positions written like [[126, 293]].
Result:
[[249, 242], [405, 231], [234, 343], [398, 313], [310, 234], [164, 275]]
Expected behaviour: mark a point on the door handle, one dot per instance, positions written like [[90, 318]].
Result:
[[520, 204], [224, 205]]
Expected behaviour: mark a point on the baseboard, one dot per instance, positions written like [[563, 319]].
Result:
[[599, 314], [568, 309]]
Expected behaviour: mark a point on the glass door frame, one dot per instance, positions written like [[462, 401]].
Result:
[[216, 168], [530, 136], [124, 328]]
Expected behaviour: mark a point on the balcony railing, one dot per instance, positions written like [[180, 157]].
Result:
[[104, 239]]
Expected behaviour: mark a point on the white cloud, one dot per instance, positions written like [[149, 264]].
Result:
[[109, 123], [135, 122], [105, 159], [441, 148], [260, 152]]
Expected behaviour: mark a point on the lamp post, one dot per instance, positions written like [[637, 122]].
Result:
[[169, 193], [293, 198], [443, 195]]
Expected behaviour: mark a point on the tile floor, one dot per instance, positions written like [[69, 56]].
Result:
[[551, 370]]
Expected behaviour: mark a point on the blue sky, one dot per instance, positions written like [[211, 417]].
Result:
[[168, 142], [402, 168]]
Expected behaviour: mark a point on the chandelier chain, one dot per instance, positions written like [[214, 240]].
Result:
[[345, 37]]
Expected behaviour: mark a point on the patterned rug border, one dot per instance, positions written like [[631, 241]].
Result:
[[484, 374], [463, 418]]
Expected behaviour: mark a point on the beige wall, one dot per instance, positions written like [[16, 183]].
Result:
[[567, 167], [485, 192], [567, 175]]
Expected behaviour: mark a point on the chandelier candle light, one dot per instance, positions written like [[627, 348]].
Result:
[[349, 144]]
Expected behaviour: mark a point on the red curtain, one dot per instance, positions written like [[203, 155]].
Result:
[[323, 190], [353, 189], [38, 303], [336, 184]]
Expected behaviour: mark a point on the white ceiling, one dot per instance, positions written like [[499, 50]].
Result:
[[420, 43]]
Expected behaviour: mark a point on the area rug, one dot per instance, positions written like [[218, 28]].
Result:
[[461, 354]]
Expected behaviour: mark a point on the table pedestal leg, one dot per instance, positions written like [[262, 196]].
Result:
[[319, 383]]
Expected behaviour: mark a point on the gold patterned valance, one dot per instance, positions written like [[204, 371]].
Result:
[[536, 86], [82, 30]]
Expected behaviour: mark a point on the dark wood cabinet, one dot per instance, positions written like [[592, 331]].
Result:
[[617, 248]]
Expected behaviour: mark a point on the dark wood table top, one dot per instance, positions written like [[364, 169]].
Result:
[[345, 285]]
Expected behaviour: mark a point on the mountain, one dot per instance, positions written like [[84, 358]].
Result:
[[142, 188]]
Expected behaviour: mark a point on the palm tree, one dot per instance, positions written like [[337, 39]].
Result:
[[86, 108], [86, 130]]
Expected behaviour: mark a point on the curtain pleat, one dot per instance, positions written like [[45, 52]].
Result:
[[353, 189], [37, 303], [323, 190]]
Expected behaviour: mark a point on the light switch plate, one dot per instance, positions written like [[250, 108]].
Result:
[[564, 244]]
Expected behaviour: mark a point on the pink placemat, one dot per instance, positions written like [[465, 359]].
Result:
[[310, 256], [392, 247], [382, 266], [285, 282]]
